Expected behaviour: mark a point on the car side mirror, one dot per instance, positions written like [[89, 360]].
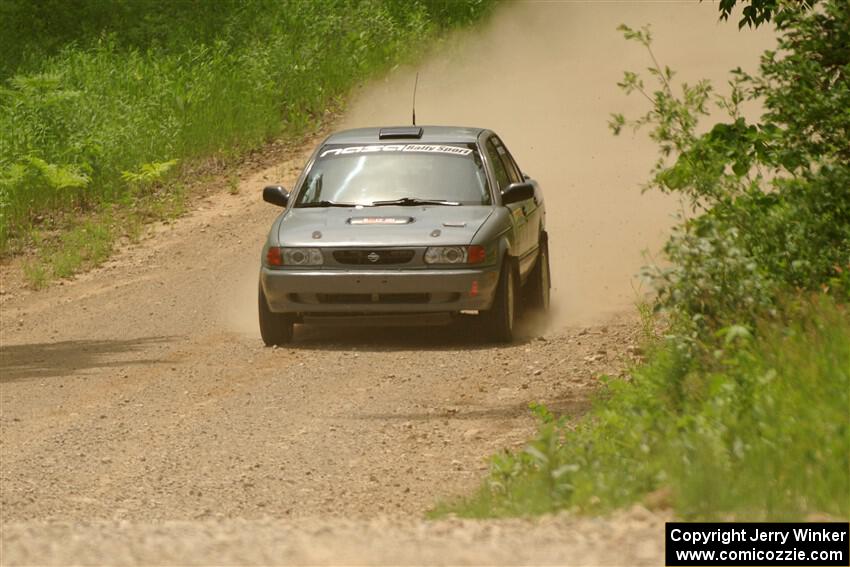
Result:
[[517, 192], [276, 195]]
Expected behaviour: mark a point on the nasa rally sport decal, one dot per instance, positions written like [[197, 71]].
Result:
[[426, 148]]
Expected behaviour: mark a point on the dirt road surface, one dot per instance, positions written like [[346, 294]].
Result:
[[143, 422]]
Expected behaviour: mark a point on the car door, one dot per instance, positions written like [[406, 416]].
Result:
[[534, 210], [525, 211], [502, 181]]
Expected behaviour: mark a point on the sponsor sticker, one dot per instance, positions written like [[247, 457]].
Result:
[[381, 148]]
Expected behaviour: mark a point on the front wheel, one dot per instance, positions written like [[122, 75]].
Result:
[[275, 328], [500, 319]]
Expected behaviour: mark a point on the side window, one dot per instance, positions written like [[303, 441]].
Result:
[[510, 165], [495, 158]]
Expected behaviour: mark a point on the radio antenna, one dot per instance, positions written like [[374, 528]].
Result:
[[415, 84]]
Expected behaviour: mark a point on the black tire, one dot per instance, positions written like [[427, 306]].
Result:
[[538, 287], [499, 321], [275, 328]]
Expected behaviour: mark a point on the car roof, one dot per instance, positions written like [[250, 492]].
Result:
[[430, 135]]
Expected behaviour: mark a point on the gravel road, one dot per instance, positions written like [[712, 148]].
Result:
[[144, 423], [135, 403]]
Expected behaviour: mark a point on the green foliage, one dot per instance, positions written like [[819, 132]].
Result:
[[52, 176], [529, 482], [805, 85], [32, 185], [773, 198], [85, 246], [82, 246], [149, 172], [233, 184], [35, 273], [32, 31], [113, 93], [756, 12], [758, 432]]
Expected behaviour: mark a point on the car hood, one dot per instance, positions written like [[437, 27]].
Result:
[[382, 226]]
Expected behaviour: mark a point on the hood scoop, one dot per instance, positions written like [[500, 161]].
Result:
[[380, 220]]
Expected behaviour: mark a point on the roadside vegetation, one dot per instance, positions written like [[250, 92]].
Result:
[[742, 406], [104, 104]]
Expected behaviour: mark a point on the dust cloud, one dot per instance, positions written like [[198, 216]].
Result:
[[543, 75]]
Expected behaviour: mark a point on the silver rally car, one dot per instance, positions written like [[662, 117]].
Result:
[[405, 225]]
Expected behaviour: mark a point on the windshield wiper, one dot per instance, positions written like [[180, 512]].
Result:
[[412, 201], [324, 204]]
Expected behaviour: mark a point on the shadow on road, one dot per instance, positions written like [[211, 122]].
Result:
[[464, 333], [63, 358], [572, 407]]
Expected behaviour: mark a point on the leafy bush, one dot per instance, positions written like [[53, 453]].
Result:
[[772, 199]]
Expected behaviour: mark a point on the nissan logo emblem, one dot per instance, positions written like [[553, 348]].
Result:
[[373, 257]]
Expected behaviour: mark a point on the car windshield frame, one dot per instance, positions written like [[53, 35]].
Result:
[[449, 150]]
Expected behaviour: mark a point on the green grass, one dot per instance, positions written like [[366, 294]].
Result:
[[83, 246], [78, 247], [84, 242], [123, 99], [761, 432], [233, 184], [36, 273]]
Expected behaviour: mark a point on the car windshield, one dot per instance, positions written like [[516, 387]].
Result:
[[395, 174]]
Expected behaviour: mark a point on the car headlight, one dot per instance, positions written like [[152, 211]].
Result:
[[455, 254], [280, 256]]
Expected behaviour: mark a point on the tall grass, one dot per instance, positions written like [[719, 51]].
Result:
[[78, 124], [762, 431]]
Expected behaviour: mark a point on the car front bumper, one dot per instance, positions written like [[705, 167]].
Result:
[[365, 292]]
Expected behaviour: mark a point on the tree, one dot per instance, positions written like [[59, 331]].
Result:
[[757, 12], [771, 199]]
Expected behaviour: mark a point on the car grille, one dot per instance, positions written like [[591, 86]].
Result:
[[350, 298], [377, 257]]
